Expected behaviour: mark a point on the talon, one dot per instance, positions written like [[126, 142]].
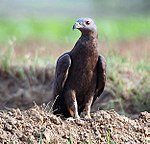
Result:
[[73, 119], [77, 117], [87, 117]]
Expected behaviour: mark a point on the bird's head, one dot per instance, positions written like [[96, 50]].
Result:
[[85, 25]]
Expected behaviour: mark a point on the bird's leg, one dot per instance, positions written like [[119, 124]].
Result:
[[74, 110], [87, 108], [72, 104]]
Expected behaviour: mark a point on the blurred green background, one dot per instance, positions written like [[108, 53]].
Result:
[[53, 20], [43, 29]]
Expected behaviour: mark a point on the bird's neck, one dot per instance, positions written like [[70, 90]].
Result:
[[86, 49], [87, 46], [89, 38], [90, 34]]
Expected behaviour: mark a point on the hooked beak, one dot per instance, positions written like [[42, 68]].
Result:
[[77, 26]]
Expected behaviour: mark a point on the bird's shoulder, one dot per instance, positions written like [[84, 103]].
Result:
[[61, 73], [64, 60], [102, 62]]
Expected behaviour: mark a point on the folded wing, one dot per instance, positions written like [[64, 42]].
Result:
[[101, 76], [61, 74]]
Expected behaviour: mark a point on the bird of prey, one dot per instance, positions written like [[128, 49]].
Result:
[[80, 74]]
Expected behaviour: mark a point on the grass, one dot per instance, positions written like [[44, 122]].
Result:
[[108, 137], [115, 60], [125, 29], [6, 59], [53, 30], [123, 87], [143, 65], [70, 140], [60, 30]]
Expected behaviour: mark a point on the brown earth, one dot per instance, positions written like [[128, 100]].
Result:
[[37, 125]]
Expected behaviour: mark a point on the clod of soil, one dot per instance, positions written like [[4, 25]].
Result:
[[37, 125]]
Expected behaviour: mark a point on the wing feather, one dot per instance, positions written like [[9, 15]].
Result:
[[61, 73], [101, 76]]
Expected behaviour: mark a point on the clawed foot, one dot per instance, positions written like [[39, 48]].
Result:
[[73, 119], [85, 116]]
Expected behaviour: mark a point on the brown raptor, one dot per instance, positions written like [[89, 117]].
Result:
[[80, 74]]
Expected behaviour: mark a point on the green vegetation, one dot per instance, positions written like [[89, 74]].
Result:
[[115, 61], [129, 81], [59, 30], [143, 65], [6, 58], [53, 30], [70, 140], [125, 29]]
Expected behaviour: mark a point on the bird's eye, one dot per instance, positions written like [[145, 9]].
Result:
[[87, 22]]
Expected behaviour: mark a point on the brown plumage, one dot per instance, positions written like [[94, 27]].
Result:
[[80, 74]]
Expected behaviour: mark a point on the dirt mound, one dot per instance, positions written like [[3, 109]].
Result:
[[37, 125], [21, 86]]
